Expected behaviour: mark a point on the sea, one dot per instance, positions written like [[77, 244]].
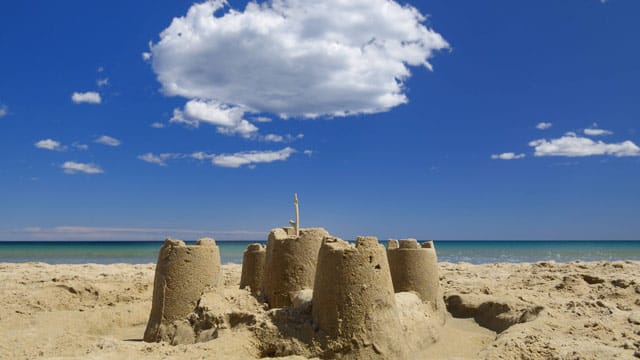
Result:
[[475, 252]]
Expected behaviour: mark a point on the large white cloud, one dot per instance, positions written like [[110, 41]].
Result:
[[571, 145], [293, 58]]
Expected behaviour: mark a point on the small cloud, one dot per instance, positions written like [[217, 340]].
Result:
[[199, 155], [308, 152], [146, 56], [107, 140], [72, 167], [158, 159], [89, 97], [229, 120], [102, 82], [80, 146], [280, 138], [251, 157], [507, 156], [273, 138], [50, 144], [571, 145], [4, 110], [235, 160], [594, 131], [100, 69], [544, 125], [157, 125], [262, 119]]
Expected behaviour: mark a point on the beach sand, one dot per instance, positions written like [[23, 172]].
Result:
[[543, 310]]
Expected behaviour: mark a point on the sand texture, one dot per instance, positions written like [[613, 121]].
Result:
[[503, 311]]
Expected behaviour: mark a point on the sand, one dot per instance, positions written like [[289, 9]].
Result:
[[544, 310]]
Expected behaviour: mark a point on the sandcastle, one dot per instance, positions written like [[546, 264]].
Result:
[[415, 268], [353, 300], [253, 261], [183, 273], [326, 297]]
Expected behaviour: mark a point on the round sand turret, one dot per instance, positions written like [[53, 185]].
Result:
[[415, 268], [354, 306], [253, 268], [183, 273], [290, 263]]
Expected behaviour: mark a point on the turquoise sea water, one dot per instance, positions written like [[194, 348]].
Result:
[[477, 252]]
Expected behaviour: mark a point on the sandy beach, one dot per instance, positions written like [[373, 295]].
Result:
[[543, 310]]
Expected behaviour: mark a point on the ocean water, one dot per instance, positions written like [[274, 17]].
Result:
[[476, 252]]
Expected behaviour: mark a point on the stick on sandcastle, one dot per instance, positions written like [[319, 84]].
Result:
[[337, 299]]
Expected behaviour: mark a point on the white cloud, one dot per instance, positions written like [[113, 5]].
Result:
[[107, 140], [50, 144], [89, 97], [158, 159], [80, 146], [597, 132], [157, 125], [100, 69], [251, 157], [228, 119], [308, 152], [200, 155], [273, 138], [571, 145], [72, 167], [146, 56], [102, 82], [543, 125], [261, 119], [507, 156], [294, 58], [4, 110], [280, 138]]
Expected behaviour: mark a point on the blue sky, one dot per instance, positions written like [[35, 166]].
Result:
[[118, 124]]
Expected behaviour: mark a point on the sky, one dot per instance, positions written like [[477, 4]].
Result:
[[464, 119]]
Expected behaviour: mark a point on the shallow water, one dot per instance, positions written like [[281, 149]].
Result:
[[477, 252]]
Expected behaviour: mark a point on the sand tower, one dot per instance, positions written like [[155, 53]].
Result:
[[415, 268], [290, 264], [354, 304], [183, 273], [253, 261]]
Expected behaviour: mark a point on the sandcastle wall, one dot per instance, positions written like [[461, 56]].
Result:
[[290, 263], [183, 273], [354, 304], [253, 261], [415, 268]]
